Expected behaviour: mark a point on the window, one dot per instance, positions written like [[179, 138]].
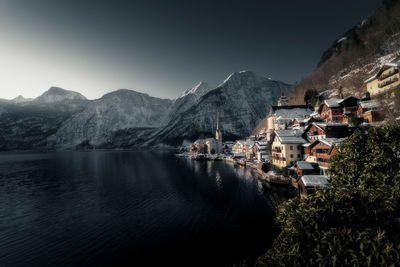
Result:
[[335, 111], [298, 156], [291, 147], [291, 156], [336, 118]]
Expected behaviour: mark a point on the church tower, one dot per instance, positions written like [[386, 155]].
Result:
[[218, 137]]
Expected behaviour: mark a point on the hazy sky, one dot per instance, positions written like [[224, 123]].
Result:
[[163, 47]]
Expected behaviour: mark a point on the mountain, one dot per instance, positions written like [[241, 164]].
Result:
[[20, 99], [28, 124], [56, 94], [62, 119], [242, 101], [122, 112], [356, 55]]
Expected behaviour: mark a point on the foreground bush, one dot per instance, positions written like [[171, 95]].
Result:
[[356, 221]]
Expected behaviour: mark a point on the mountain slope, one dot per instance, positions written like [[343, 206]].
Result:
[[242, 101], [356, 55], [113, 114]]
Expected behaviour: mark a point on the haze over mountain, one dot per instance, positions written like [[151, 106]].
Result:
[[124, 118]]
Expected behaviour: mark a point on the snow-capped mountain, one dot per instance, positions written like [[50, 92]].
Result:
[[199, 90], [242, 101], [118, 111], [124, 118]]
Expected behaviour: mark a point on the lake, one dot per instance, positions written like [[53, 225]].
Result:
[[115, 208]]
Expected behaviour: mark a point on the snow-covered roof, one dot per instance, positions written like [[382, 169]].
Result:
[[292, 140], [370, 104], [321, 181], [344, 99], [389, 64], [370, 79], [333, 141], [305, 165], [281, 133], [332, 102], [292, 113]]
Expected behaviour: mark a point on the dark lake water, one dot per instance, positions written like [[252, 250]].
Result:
[[113, 208]]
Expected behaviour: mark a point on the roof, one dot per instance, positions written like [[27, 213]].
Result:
[[305, 165], [389, 64], [332, 141], [292, 140], [333, 102], [371, 104], [291, 112], [281, 133], [320, 181]]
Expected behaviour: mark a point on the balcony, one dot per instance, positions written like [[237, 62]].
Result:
[[385, 83], [390, 73]]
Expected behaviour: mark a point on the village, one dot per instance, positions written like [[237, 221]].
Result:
[[298, 141]]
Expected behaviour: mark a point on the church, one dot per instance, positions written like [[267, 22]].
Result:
[[209, 145]]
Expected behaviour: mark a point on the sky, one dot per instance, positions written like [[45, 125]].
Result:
[[163, 47]]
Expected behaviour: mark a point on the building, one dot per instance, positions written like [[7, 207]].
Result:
[[306, 168], [318, 130], [260, 150], [287, 148], [370, 111], [209, 145], [321, 152], [280, 117], [307, 184], [349, 105], [385, 80], [283, 101], [338, 110], [198, 146]]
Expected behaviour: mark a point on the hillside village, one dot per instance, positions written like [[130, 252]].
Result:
[[296, 145]]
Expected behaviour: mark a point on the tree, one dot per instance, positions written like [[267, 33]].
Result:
[[311, 97], [355, 221]]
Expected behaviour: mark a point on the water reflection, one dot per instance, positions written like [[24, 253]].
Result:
[[108, 207]]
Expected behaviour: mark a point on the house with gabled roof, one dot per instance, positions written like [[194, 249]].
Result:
[[280, 117], [370, 111], [319, 130], [308, 184], [321, 152], [287, 148]]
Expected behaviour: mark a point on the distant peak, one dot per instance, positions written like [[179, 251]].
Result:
[[243, 74], [55, 94]]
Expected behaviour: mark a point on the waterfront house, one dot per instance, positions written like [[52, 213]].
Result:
[[287, 148], [385, 80], [306, 168], [198, 147], [260, 150], [239, 147], [307, 184], [318, 130]]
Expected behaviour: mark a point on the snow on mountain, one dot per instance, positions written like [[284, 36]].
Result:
[[243, 100], [56, 94], [118, 111], [199, 90]]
